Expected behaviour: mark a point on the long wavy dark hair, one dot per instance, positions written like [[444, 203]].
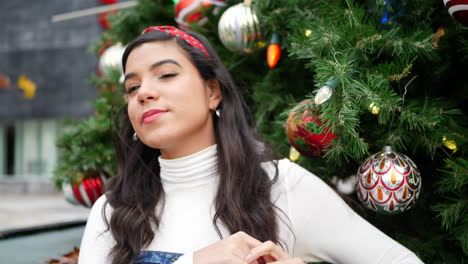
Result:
[[242, 202]]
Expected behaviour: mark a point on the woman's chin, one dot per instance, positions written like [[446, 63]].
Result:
[[155, 144]]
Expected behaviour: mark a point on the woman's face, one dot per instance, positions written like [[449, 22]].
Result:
[[169, 103]]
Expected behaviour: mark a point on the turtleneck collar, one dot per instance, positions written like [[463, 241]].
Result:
[[189, 171]]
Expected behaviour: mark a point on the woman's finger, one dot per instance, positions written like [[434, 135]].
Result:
[[250, 241], [269, 250], [288, 261], [243, 244]]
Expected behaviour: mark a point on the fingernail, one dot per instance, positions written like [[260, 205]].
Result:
[[248, 258]]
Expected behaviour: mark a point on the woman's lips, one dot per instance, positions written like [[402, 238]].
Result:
[[152, 115]]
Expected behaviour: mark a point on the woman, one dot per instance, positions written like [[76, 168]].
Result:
[[195, 185]]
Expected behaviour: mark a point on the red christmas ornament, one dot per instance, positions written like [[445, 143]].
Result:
[[273, 51], [87, 191], [104, 21], [108, 2], [458, 9], [102, 17], [189, 11], [98, 71], [306, 133], [4, 81]]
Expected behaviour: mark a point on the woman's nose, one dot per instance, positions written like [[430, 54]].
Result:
[[147, 93]]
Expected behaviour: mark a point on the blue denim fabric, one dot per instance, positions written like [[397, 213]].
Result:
[[157, 257]]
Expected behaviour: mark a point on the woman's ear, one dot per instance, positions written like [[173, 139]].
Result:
[[214, 93]]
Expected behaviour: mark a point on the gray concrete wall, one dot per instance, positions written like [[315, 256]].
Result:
[[54, 55]]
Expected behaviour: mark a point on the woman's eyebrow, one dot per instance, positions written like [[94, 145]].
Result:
[[129, 75], [152, 67], [159, 63]]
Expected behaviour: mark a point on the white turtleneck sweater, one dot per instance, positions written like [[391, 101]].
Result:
[[325, 228]]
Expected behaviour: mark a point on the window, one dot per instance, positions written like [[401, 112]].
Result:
[[9, 160], [27, 148]]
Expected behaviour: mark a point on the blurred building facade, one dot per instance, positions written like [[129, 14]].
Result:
[[55, 57]]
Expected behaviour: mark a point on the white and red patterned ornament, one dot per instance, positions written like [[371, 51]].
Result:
[[87, 191], [388, 182], [458, 9], [189, 11]]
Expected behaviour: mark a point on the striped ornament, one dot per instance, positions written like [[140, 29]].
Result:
[[458, 9], [86, 192], [189, 11]]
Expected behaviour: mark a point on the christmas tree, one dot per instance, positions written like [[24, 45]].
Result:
[[369, 74]]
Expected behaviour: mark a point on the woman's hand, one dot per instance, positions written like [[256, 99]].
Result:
[[269, 252], [241, 248], [230, 250]]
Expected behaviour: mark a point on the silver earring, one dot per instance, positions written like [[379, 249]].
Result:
[[135, 137], [218, 112]]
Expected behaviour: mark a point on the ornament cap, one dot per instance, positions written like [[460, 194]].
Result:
[[387, 149]]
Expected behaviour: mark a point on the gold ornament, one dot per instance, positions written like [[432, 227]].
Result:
[[375, 109], [28, 86], [294, 154], [450, 144], [239, 29]]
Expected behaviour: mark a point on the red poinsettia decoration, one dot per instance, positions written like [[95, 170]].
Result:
[[103, 17]]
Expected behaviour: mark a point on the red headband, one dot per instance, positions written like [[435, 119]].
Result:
[[176, 32]]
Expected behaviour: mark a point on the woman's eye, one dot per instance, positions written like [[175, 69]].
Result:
[[169, 75], [133, 88]]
